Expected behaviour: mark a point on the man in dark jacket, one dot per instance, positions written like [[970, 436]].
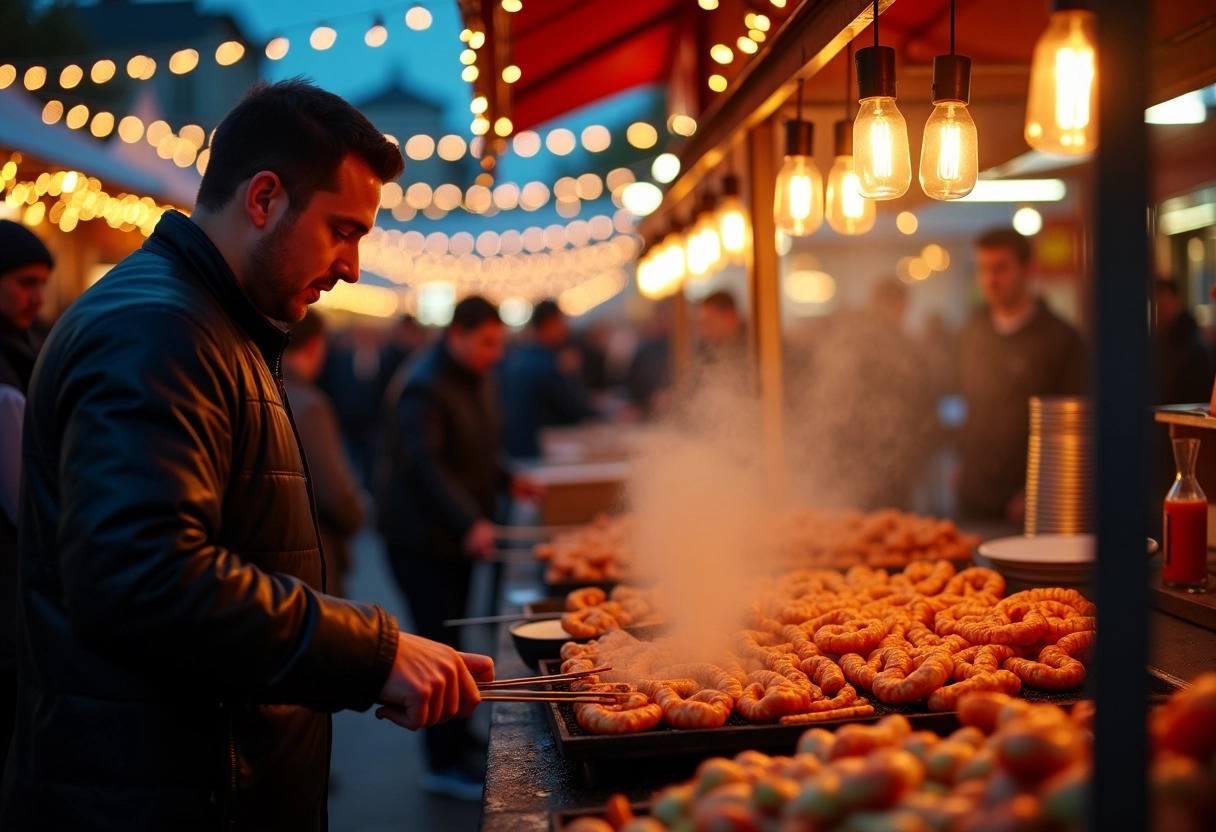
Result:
[[441, 470], [177, 658], [25, 267], [1013, 349], [538, 391]]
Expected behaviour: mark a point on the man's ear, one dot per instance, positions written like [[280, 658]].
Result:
[[264, 197]]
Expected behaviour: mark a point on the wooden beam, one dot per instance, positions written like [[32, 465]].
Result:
[[764, 293]]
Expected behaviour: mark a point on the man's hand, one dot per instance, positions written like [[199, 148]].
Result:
[[525, 488], [479, 539], [431, 683]]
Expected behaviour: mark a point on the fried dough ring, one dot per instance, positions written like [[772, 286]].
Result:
[[588, 622], [587, 596], [705, 708], [851, 636], [900, 682], [629, 716]]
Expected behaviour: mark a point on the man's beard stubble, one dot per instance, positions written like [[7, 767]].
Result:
[[264, 273]]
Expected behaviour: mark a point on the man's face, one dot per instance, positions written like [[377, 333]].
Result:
[[307, 253], [478, 349], [1003, 280], [21, 293], [716, 325]]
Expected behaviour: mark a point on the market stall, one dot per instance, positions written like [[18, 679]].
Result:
[[527, 793]]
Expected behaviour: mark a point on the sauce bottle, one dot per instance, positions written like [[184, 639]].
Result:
[[1185, 524]]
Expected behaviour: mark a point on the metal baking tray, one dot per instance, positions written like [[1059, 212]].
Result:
[[575, 744]]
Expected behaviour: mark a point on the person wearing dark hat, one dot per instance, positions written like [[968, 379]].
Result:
[[540, 388], [25, 267]]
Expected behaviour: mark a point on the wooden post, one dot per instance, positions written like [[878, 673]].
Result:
[[765, 307]]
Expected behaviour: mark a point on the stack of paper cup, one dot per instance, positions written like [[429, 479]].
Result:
[[1059, 466]]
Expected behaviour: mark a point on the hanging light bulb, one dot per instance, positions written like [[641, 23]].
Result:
[[949, 163], [1060, 109], [847, 211], [705, 240], [734, 229], [880, 134], [798, 206], [675, 263]]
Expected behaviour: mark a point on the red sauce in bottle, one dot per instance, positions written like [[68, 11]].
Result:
[[1186, 541]]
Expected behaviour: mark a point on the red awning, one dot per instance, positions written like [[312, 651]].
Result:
[[571, 54]]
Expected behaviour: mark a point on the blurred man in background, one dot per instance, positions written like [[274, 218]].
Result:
[[540, 383], [441, 470], [25, 268], [341, 503], [720, 334], [1012, 349]]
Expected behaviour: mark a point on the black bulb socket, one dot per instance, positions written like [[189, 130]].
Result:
[[1070, 5], [709, 202], [799, 138], [844, 137], [730, 185], [875, 72], [951, 78]]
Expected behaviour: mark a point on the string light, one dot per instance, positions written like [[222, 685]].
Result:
[[70, 76], [511, 74], [183, 61], [35, 77], [79, 199], [322, 38], [418, 18], [277, 48], [376, 36], [229, 52]]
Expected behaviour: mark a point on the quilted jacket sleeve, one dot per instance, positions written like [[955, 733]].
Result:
[[146, 436]]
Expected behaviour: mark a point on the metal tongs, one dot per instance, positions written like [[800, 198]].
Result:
[[598, 697]]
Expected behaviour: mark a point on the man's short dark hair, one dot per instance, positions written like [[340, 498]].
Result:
[[298, 131], [544, 311], [312, 325], [721, 300], [1006, 238], [472, 312]]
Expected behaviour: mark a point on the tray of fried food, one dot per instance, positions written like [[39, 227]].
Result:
[[599, 553], [819, 645], [889, 539], [592, 611], [1011, 765]]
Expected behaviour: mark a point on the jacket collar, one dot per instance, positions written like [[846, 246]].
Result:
[[179, 238]]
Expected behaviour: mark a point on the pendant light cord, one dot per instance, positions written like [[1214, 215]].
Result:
[[876, 22], [798, 109], [951, 27]]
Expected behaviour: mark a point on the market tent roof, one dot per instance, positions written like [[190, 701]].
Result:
[[22, 129], [573, 54]]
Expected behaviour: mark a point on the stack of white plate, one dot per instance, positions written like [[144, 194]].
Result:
[[1059, 466], [1045, 559]]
